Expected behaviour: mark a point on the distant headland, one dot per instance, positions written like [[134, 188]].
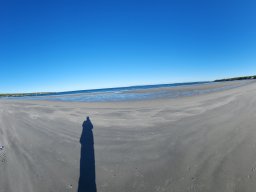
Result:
[[237, 78], [25, 94]]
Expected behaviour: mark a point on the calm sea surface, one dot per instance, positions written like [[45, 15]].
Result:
[[130, 93]]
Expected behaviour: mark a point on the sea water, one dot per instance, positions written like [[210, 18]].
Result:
[[130, 93]]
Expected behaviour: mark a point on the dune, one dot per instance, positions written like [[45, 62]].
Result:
[[197, 143]]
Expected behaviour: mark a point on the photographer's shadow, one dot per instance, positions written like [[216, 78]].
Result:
[[87, 161]]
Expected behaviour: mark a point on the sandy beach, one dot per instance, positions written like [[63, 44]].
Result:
[[195, 144]]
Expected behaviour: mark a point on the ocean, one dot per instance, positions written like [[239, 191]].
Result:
[[133, 93]]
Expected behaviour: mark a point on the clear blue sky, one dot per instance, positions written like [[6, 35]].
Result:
[[69, 45]]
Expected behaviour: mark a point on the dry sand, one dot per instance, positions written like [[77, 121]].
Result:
[[198, 144]]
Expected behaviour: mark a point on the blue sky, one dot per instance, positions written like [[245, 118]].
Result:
[[70, 45]]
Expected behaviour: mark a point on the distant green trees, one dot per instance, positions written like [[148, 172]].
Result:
[[237, 78], [24, 94]]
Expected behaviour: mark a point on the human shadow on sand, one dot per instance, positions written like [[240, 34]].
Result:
[[87, 161]]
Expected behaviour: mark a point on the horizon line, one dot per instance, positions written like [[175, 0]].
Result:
[[128, 86], [97, 89]]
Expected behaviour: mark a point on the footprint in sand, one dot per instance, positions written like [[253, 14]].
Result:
[[3, 159]]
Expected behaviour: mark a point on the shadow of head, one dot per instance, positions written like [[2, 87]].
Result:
[[87, 124]]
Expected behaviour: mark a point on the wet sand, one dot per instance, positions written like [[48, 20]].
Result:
[[198, 144]]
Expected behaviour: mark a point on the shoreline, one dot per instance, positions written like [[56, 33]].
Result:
[[142, 94]]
